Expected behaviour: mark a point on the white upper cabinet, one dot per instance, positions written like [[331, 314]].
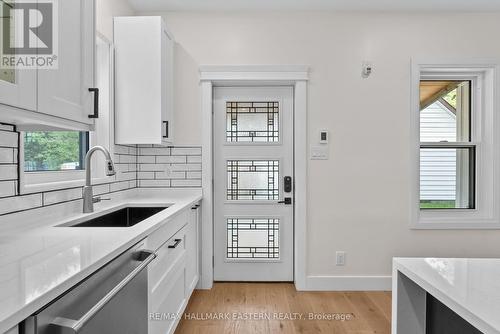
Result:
[[65, 92], [144, 61], [60, 97], [17, 86]]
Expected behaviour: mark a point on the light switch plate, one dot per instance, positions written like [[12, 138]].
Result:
[[319, 152]]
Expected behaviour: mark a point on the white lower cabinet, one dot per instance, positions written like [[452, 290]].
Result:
[[174, 273]]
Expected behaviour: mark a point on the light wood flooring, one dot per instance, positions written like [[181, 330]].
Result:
[[272, 305]]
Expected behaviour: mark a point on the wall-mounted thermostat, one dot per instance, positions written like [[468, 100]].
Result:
[[323, 137]]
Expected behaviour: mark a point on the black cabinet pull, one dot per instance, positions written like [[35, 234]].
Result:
[[166, 129], [287, 201], [177, 242], [96, 102]]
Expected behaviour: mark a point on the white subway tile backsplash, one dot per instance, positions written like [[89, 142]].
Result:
[[170, 175], [6, 155], [146, 159], [152, 167], [101, 189], [127, 159], [193, 175], [145, 175], [8, 172], [10, 201], [120, 149], [137, 166], [193, 159], [171, 159], [59, 196], [154, 151], [117, 186], [132, 150], [8, 188], [154, 183], [6, 127], [19, 203], [186, 183], [185, 167], [8, 139], [186, 151], [172, 167]]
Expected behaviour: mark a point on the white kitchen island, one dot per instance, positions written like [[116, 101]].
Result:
[[459, 293]]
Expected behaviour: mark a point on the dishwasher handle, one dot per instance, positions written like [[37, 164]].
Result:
[[69, 326]]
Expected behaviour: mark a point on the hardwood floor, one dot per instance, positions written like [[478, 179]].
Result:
[[271, 307]]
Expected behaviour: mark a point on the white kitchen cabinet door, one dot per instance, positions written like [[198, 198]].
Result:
[[17, 86], [144, 63], [64, 92], [192, 250], [168, 83]]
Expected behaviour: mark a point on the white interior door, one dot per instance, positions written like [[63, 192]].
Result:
[[253, 153]]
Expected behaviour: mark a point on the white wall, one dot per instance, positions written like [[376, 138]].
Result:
[[359, 199], [106, 10]]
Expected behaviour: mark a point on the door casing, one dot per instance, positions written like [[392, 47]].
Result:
[[267, 75]]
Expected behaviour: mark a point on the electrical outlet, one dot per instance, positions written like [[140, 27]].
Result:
[[340, 258]]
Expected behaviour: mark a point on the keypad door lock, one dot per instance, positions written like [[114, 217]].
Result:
[[287, 184]]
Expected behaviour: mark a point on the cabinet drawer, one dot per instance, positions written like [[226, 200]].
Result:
[[168, 301], [167, 230], [166, 257]]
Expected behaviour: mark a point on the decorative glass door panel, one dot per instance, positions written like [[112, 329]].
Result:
[[253, 152]]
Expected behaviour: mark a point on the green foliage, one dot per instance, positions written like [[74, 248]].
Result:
[[437, 204], [451, 98], [49, 150]]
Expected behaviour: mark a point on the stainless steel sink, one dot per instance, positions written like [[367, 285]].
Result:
[[125, 217]]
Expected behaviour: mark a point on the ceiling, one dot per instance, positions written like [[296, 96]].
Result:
[[340, 5]]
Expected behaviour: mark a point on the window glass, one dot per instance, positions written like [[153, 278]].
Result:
[[253, 238], [447, 156], [445, 109], [252, 121], [252, 179], [55, 150]]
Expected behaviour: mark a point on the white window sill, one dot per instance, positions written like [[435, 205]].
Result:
[[478, 225], [60, 185], [457, 219]]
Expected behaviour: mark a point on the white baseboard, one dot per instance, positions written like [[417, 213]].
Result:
[[348, 283]]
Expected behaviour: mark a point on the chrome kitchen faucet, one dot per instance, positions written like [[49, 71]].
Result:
[[88, 194]]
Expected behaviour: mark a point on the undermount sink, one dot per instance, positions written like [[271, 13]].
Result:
[[125, 217]]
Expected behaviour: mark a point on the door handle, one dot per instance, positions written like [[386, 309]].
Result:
[[286, 201], [65, 325], [177, 242], [166, 129], [96, 102]]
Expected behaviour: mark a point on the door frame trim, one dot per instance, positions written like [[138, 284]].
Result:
[[296, 76]]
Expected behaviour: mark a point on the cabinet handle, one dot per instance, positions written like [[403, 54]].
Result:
[[177, 242], [96, 102], [166, 129]]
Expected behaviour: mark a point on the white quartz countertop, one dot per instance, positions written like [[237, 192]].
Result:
[[470, 287], [39, 261]]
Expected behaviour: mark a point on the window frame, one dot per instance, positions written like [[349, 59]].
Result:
[[34, 182], [484, 137], [474, 120]]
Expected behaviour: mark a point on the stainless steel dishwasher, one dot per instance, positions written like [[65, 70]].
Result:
[[112, 300]]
